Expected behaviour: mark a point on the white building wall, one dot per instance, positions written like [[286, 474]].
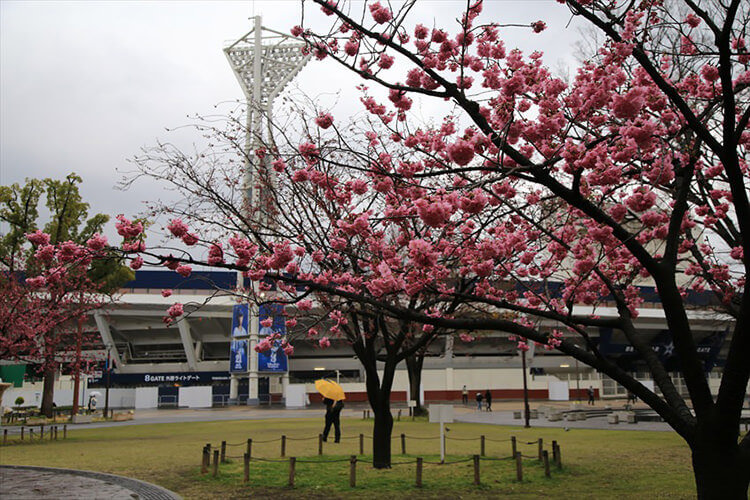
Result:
[[146, 397], [195, 397]]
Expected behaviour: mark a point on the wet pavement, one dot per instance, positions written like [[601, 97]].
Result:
[[33, 483]]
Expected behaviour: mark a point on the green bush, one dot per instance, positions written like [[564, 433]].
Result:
[[19, 401]]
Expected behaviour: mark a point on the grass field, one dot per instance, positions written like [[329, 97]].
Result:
[[596, 464]]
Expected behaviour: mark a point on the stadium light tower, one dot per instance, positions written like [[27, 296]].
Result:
[[264, 62]]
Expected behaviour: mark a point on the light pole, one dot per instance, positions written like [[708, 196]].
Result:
[[77, 367], [106, 393], [525, 390], [264, 61]]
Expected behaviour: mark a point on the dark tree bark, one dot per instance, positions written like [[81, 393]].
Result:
[[414, 365], [48, 391], [721, 467]]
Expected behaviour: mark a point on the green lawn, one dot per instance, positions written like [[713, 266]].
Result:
[[596, 464]]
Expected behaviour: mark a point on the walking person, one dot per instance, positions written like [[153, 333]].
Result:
[[92, 404], [465, 395], [479, 401], [333, 417], [488, 399], [590, 392]]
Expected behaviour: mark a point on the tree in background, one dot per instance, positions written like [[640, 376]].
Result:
[[51, 278]]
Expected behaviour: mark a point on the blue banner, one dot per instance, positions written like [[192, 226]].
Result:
[[274, 360], [240, 318], [238, 356]]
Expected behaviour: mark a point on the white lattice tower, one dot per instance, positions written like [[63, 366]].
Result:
[[264, 62]]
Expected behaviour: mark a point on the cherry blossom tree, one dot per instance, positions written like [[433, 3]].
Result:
[[51, 279], [537, 200], [643, 155]]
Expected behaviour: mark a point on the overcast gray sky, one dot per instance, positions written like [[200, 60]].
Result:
[[84, 85]]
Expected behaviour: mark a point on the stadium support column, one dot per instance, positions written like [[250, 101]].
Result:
[[234, 389], [252, 396]]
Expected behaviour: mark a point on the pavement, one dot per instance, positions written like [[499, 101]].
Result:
[[33, 483], [502, 415]]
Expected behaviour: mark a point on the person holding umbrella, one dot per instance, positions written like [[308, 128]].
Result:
[[333, 398]]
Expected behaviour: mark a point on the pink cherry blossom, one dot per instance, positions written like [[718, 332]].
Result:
[[38, 238], [324, 120]]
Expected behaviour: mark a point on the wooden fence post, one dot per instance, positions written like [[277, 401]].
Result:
[[541, 448], [56, 427], [246, 464], [476, 470], [519, 467], [41, 431], [204, 460], [513, 445], [320, 444], [403, 444], [399, 415], [65, 431], [283, 445], [223, 451], [361, 444], [22, 433], [554, 452], [419, 472], [31, 434], [5, 436], [364, 412], [51, 433], [216, 463], [559, 458], [545, 459], [481, 448], [353, 471], [292, 462], [249, 450]]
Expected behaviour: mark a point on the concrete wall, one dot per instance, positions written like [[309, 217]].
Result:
[[118, 398], [195, 397], [146, 397]]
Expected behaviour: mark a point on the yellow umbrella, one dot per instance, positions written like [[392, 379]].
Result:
[[330, 389]]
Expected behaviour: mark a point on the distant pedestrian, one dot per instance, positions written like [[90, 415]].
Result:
[[465, 396], [92, 404], [479, 401], [333, 414], [590, 392], [632, 397], [488, 399]]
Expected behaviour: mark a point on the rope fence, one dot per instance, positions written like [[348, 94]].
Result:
[[53, 433], [220, 456]]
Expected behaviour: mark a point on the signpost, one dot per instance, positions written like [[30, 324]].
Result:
[[442, 414]]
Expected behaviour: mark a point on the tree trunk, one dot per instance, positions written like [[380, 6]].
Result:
[[721, 471], [414, 368], [48, 392], [381, 436]]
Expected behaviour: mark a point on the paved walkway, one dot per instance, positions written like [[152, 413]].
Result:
[[503, 415], [25, 482], [506, 418]]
